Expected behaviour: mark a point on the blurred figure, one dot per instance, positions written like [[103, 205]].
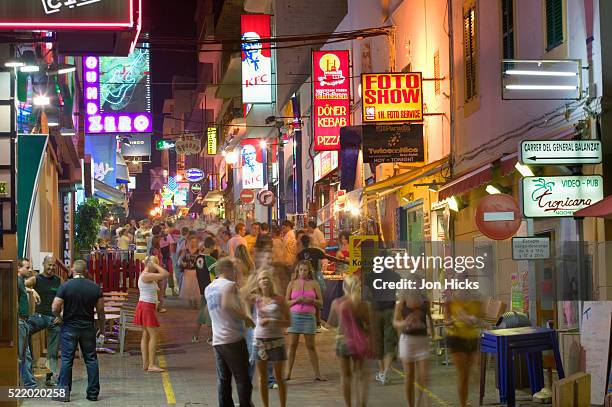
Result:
[[140, 239], [244, 264], [145, 312], [25, 280], [228, 325], [269, 344], [205, 271], [352, 317], [251, 238], [180, 250], [303, 297], [237, 239], [190, 290], [411, 318], [316, 236], [289, 243], [462, 314]]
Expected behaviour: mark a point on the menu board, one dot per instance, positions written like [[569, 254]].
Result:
[[595, 339]]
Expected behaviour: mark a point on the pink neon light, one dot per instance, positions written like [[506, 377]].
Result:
[[138, 27]]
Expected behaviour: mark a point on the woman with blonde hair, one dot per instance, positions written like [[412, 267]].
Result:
[[303, 297], [352, 318], [272, 316], [145, 311], [245, 263]]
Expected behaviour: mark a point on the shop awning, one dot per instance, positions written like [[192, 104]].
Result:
[[464, 183], [108, 193], [601, 209], [394, 183]]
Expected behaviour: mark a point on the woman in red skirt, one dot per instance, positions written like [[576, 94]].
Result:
[[145, 311]]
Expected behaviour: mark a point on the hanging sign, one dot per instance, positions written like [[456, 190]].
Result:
[[266, 198], [253, 164], [256, 59], [324, 163], [194, 175], [161, 145], [331, 97], [392, 97], [67, 221], [247, 196], [211, 141], [196, 188], [188, 147], [393, 143], [560, 196], [560, 152]]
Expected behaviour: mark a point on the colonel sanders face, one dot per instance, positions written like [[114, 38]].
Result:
[[251, 48]]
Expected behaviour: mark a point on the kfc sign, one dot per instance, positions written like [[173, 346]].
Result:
[[256, 59], [99, 122], [253, 164], [331, 98], [392, 97], [69, 14]]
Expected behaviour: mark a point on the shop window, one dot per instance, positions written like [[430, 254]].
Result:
[[554, 23], [507, 28], [469, 51]]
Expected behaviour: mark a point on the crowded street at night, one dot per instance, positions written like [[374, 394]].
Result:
[[306, 203]]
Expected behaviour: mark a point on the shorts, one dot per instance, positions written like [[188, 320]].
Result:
[[203, 315], [271, 350], [457, 344], [413, 348], [302, 323], [145, 314], [385, 334]]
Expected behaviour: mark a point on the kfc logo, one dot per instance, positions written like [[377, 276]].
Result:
[[55, 6]]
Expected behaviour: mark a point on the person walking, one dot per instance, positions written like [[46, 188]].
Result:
[[351, 316], [190, 290], [228, 325], [205, 272], [74, 305], [316, 236], [25, 280], [269, 342], [245, 264], [289, 243], [303, 297], [140, 239], [411, 317], [145, 312], [47, 285], [237, 239]]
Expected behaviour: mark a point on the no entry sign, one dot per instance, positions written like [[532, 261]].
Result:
[[247, 196], [498, 216]]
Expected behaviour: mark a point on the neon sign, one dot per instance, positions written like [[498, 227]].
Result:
[[101, 122]]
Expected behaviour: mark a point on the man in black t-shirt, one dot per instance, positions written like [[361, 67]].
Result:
[[47, 284], [78, 298]]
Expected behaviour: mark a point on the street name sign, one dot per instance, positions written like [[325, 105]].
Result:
[[530, 248], [560, 152], [545, 197]]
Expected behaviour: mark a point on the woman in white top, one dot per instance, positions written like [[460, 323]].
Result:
[[145, 311]]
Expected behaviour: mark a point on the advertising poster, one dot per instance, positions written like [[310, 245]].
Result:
[[331, 97], [363, 247], [253, 164], [545, 197], [392, 97], [104, 156], [393, 143], [256, 59]]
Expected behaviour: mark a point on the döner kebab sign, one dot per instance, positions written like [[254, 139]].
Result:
[[392, 97]]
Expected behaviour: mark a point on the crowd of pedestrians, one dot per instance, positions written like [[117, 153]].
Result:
[[258, 289]]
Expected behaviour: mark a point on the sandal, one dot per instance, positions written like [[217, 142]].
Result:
[[320, 379], [162, 310], [155, 369]]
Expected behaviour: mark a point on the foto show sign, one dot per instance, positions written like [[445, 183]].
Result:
[[561, 196], [331, 97], [392, 97]]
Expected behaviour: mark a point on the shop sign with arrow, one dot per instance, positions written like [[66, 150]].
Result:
[[560, 152]]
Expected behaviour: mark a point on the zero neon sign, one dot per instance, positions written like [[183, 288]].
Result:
[[97, 122]]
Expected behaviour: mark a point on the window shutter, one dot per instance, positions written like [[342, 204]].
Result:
[[554, 23], [469, 51]]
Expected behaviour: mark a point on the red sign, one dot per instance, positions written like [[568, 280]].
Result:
[[392, 97], [331, 97], [247, 196], [498, 216]]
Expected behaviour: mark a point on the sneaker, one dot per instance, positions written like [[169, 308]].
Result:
[[379, 377], [321, 328], [92, 398], [385, 379], [273, 386], [195, 339], [50, 382]]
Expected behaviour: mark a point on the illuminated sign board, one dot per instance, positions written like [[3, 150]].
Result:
[[545, 197], [211, 141], [117, 93], [324, 163], [392, 97], [161, 145], [256, 59], [67, 14], [194, 175], [331, 97], [253, 164]]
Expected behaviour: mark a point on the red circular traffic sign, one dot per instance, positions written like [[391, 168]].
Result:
[[247, 196], [498, 216], [266, 197]]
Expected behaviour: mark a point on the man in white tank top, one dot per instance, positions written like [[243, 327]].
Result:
[[229, 324]]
